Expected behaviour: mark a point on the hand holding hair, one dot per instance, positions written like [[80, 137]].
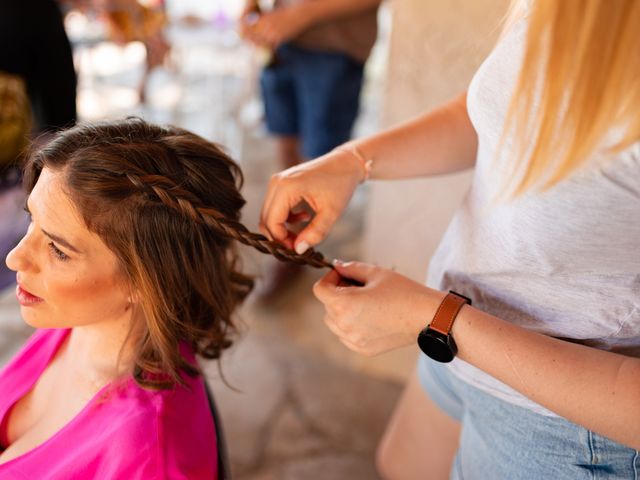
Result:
[[326, 185], [379, 316], [390, 310]]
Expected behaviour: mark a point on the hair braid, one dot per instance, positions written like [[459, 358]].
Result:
[[187, 204]]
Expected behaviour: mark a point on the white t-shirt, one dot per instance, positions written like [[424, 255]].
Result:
[[565, 262]]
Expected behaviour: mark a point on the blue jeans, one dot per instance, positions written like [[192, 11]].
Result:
[[312, 95], [503, 441]]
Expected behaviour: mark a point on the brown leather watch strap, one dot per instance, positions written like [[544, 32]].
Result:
[[447, 312]]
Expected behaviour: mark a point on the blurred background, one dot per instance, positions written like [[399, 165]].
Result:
[[296, 403]]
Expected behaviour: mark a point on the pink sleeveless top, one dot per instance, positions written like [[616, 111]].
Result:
[[124, 432]]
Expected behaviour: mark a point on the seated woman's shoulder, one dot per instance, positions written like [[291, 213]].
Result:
[[169, 432]]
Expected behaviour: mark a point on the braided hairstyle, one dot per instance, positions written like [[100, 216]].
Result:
[[167, 203]]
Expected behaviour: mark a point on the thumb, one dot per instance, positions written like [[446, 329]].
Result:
[[314, 233], [362, 272]]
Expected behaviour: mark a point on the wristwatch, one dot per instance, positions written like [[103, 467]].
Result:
[[435, 339]]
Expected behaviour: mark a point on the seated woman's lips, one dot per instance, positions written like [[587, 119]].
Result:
[[26, 298]]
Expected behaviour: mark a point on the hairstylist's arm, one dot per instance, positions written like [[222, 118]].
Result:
[[596, 389], [442, 141]]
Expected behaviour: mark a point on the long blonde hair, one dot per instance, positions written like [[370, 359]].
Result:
[[580, 78]]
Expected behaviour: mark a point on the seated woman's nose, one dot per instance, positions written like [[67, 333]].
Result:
[[19, 259]]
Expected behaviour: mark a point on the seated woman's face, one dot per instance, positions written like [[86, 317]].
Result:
[[66, 275]]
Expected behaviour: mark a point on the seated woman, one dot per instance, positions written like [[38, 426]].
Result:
[[128, 271]]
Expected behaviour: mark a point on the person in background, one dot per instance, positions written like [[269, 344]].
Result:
[[129, 20], [37, 49], [132, 21], [530, 324], [312, 80]]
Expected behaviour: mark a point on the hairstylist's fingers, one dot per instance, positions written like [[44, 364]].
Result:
[[298, 217], [341, 334], [266, 205], [289, 241], [316, 231], [330, 322], [325, 288], [362, 272], [346, 341], [348, 337], [275, 211]]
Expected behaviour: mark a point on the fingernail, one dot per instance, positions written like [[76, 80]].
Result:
[[302, 247], [337, 262]]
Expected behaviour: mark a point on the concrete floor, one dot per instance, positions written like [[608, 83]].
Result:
[[295, 403]]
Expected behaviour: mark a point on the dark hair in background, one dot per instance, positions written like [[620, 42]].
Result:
[[167, 203]]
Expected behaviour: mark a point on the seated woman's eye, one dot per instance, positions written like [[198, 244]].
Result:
[[59, 254]]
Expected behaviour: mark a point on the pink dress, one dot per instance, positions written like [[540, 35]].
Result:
[[124, 432]]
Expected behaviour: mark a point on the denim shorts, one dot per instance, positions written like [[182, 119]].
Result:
[[312, 95], [503, 441]]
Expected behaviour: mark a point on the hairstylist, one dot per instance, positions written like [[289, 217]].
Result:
[[543, 325]]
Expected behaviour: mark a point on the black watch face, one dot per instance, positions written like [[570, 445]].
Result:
[[437, 346]]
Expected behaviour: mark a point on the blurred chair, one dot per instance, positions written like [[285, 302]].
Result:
[[224, 470]]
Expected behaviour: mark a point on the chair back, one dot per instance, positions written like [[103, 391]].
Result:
[[224, 470]]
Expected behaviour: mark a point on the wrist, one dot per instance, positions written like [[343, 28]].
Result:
[[355, 153], [436, 340]]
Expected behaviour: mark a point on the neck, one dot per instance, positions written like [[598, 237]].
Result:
[[102, 351]]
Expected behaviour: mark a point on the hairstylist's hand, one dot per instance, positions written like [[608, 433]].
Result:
[[386, 313], [325, 184]]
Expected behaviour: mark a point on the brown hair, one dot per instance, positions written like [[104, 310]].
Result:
[[167, 203]]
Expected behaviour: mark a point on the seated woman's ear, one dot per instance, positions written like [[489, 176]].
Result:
[[133, 300]]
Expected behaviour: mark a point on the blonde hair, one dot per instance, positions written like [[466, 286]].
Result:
[[580, 79]]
